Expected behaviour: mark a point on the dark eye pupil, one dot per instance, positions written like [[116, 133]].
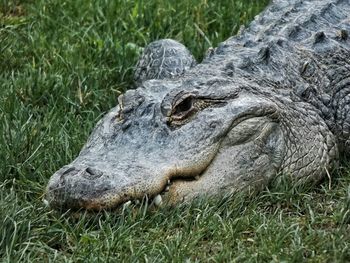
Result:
[[184, 106]]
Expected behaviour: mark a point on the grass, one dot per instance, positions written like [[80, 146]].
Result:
[[62, 65]]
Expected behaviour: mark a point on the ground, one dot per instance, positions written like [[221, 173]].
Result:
[[62, 65]]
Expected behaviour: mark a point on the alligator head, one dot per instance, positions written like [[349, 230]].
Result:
[[183, 138]]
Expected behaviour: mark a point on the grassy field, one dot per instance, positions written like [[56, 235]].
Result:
[[62, 65]]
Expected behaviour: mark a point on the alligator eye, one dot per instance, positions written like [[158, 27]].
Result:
[[183, 108]]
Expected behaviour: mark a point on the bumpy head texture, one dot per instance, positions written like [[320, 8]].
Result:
[[274, 99], [162, 59]]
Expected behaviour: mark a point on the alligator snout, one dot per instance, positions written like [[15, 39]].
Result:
[[74, 185], [89, 173]]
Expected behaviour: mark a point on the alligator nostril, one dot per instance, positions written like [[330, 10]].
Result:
[[92, 173]]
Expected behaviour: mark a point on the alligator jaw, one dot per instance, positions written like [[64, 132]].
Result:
[[165, 195], [113, 200], [63, 197]]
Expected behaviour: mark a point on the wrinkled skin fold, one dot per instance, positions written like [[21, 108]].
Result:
[[253, 109]]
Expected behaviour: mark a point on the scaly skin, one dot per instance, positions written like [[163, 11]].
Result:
[[162, 59], [273, 99]]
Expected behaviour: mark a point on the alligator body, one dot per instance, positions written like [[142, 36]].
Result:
[[273, 99]]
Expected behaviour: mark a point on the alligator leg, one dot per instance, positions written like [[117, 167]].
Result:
[[165, 58]]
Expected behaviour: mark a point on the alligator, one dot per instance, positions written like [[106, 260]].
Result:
[[272, 100]]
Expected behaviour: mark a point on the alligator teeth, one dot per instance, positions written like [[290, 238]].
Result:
[[127, 204], [158, 200], [167, 188]]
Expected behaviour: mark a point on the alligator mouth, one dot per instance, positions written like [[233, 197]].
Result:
[[111, 199], [165, 195], [62, 195]]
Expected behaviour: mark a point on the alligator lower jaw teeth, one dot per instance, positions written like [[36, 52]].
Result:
[[169, 182], [157, 201], [167, 187], [127, 204]]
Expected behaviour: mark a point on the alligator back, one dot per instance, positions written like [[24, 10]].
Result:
[[303, 49]]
